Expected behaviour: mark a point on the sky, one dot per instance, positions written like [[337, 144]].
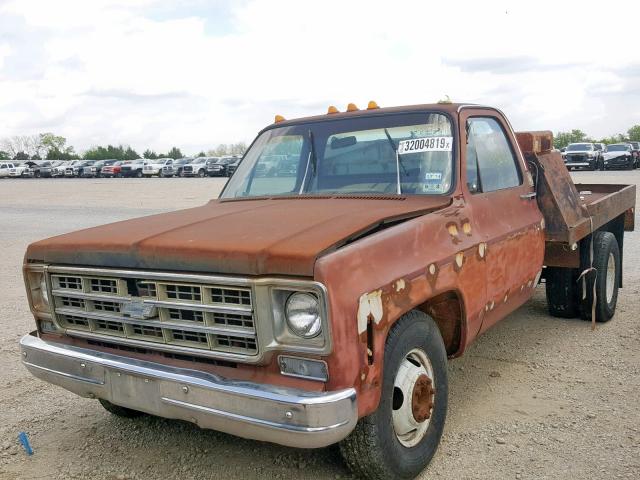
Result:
[[195, 73]]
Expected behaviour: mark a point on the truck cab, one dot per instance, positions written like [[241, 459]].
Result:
[[320, 306]]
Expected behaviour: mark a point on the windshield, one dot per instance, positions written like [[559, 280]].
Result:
[[386, 154], [617, 148], [579, 147]]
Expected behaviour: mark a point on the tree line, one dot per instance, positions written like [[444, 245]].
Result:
[[562, 139], [47, 146]]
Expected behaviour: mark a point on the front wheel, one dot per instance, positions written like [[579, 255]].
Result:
[[201, 173], [139, 174], [399, 439]]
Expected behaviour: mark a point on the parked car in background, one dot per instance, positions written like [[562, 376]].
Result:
[[223, 165], [215, 168], [287, 167], [35, 167], [71, 169], [89, 169], [4, 169], [156, 167], [132, 168], [581, 155], [269, 165], [635, 150], [198, 167], [600, 148], [619, 155], [232, 167], [178, 165], [58, 168], [19, 170], [110, 170]]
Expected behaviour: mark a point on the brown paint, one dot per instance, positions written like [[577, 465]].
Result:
[[452, 257]]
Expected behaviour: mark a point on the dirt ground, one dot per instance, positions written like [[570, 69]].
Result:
[[535, 398]]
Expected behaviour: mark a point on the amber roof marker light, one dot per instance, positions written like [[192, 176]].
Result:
[[352, 107], [279, 118], [332, 110], [372, 105], [445, 101]]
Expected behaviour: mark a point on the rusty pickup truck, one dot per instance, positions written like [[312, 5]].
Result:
[[320, 307]]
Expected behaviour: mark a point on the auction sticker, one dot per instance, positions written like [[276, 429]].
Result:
[[425, 144]]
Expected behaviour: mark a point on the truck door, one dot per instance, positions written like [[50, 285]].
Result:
[[505, 211]]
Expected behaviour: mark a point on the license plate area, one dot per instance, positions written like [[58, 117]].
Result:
[[134, 391]]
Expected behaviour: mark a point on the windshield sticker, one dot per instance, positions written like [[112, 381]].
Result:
[[426, 144], [433, 176]]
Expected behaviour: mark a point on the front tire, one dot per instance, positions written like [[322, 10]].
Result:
[[399, 439], [201, 173], [139, 174]]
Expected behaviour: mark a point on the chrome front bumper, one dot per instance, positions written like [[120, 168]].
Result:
[[286, 416]]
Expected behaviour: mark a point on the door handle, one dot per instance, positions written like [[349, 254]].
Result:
[[528, 196]]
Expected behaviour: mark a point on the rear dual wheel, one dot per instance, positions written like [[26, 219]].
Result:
[[399, 439], [565, 291]]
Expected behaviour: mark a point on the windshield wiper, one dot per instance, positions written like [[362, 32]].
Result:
[[311, 160], [398, 162]]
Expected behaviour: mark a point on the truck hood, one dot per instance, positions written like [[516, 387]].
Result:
[[615, 154], [245, 237]]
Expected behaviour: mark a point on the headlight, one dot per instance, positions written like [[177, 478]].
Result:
[[37, 290], [302, 312]]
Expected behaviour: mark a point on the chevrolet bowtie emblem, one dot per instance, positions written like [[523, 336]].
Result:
[[138, 309]]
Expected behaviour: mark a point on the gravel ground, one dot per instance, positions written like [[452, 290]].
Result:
[[535, 397]]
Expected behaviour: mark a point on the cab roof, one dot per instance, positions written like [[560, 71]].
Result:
[[451, 108]]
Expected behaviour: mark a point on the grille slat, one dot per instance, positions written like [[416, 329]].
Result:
[[196, 317]]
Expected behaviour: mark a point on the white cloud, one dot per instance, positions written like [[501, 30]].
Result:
[[119, 71]]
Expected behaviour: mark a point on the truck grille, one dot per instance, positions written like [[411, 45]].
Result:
[[169, 314]]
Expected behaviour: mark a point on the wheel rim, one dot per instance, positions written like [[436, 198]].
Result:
[[413, 398], [611, 277]]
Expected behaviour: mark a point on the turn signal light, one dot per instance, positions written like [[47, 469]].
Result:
[[332, 109], [372, 105], [352, 107], [279, 118]]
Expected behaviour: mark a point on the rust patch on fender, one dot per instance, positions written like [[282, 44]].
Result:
[[466, 227], [452, 228], [458, 261], [370, 306], [482, 250]]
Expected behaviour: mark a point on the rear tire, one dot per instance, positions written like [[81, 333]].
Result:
[[120, 411], [562, 292], [374, 450], [606, 261]]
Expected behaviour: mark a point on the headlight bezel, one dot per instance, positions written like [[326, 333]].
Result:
[[35, 278]]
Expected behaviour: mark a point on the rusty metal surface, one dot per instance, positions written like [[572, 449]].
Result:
[[606, 201], [566, 218], [422, 398], [453, 258], [267, 236], [535, 142], [479, 265], [558, 254]]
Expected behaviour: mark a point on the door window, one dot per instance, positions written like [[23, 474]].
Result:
[[491, 162]]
